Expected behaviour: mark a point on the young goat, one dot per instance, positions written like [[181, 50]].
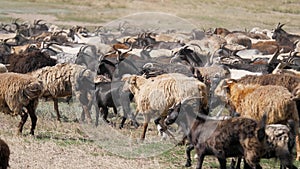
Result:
[[233, 137]]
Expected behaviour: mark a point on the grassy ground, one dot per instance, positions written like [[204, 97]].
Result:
[[71, 144], [233, 14]]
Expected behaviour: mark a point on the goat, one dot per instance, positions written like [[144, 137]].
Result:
[[284, 38], [226, 138], [111, 94]]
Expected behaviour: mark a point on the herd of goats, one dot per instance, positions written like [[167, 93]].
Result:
[[172, 76]]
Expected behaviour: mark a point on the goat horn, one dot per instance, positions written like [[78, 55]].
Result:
[[190, 98], [38, 21], [274, 57]]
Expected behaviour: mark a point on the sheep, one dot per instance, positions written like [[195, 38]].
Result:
[[4, 155], [252, 99], [19, 95], [159, 93], [29, 61], [233, 137], [63, 79]]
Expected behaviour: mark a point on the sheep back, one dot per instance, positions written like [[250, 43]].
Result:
[[59, 80], [17, 90], [275, 100]]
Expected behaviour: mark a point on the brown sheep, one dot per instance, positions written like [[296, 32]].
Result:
[[19, 95], [63, 79], [251, 100], [159, 93], [4, 155], [29, 61]]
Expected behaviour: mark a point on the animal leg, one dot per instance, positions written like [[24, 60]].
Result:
[[86, 113], [122, 122], [97, 115], [222, 162], [31, 107], [188, 150], [146, 121], [298, 147], [200, 159], [104, 114], [24, 117], [55, 101]]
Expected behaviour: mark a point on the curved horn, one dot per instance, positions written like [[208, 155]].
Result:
[[189, 98], [274, 57]]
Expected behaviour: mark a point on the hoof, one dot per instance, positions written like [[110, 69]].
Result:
[[188, 164]]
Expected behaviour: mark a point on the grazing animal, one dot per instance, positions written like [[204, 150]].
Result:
[[280, 141], [29, 61], [284, 38], [4, 155], [234, 137], [63, 79], [159, 93], [19, 95], [250, 100], [111, 94]]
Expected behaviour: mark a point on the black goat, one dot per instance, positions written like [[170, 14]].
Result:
[[233, 137], [110, 94]]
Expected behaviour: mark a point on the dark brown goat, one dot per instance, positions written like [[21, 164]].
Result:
[[28, 62], [227, 138], [4, 155], [284, 38]]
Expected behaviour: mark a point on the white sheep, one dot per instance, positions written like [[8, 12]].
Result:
[[159, 93]]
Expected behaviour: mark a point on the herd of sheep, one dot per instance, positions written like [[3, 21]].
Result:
[[172, 76]]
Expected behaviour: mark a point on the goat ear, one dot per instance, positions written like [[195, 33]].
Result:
[[132, 79], [261, 134], [230, 81]]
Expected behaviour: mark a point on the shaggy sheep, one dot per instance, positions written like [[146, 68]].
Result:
[[19, 96], [232, 137], [63, 79], [29, 61], [4, 155], [159, 93], [251, 100]]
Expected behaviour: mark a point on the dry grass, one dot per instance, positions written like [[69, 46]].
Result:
[[71, 144], [234, 14]]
